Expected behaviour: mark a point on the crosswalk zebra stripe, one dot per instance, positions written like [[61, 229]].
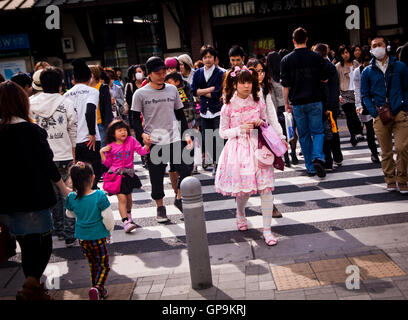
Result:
[[255, 222], [303, 196], [296, 181], [142, 173]]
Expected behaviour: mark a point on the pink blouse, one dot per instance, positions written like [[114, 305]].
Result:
[[114, 158]]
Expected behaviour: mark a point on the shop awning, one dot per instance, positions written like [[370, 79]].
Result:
[[26, 4]]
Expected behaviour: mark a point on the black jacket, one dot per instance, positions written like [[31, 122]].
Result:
[[303, 71], [214, 104], [331, 89], [105, 105], [27, 169]]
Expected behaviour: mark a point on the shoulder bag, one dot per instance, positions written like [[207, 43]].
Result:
[[112, 180], [384, 111]]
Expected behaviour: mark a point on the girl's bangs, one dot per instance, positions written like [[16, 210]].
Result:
[[120, 125], [245, 76]]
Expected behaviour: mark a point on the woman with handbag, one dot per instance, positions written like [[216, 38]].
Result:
[[345, 69], [118, 156], [244, 168]]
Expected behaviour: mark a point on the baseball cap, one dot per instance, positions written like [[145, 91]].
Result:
[[154, 64]]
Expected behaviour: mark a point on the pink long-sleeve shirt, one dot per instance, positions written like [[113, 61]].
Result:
[[114, 158]]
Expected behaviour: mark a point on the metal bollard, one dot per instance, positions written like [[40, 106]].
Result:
[[196, 234]]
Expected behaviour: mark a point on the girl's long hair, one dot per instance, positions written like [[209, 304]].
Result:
[[266, 83], [242, 76], [13, 103], [113, 126], [81, 175], [273, 63], [342, 49]]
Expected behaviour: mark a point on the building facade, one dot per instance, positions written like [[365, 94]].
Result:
[[120, 33]]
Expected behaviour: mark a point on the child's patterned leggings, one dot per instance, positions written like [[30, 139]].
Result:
[[266, 207], [96, 253]]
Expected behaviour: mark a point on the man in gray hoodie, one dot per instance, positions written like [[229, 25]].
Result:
[[57, 116]]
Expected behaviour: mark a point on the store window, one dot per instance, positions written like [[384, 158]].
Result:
[[132, 37], [114, 21], [117, 57], [146, 29]]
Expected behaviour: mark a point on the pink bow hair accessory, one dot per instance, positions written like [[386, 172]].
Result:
[[238, 69]]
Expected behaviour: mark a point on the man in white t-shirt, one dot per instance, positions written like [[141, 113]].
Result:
[[85, 99], [161, 107]]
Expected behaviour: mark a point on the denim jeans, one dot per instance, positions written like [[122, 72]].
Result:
[[23, 223], [309, 121], [102, 133]]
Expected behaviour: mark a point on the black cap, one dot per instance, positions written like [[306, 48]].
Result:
[[154, 64]]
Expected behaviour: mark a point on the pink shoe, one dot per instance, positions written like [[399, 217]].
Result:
[[129, 216], [242, 223], [270, 240], [129, 226], [93, 294]]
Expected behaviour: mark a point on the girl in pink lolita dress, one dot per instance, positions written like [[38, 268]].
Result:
[[238, 174]]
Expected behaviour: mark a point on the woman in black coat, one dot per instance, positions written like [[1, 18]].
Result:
[[26, 189]]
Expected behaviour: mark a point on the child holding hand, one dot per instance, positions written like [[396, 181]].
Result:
[[118, 156], [94, 224]]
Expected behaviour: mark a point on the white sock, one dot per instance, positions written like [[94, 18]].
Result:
[[267, 212]]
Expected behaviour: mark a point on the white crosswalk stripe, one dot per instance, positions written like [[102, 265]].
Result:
[[355, 191]]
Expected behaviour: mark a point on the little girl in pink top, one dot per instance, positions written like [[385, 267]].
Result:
[[121, 144], [238, 174]]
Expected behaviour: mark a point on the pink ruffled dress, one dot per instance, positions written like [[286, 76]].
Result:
[[238, 173]]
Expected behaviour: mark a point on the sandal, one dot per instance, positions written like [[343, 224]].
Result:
[[242, 223], [270, 240]]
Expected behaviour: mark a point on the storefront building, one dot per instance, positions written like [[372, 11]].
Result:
[[115, 33], [119, 33], [260, 26]]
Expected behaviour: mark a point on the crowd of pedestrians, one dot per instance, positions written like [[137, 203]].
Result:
[[186, 114]]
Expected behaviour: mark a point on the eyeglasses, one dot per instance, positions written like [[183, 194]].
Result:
[[261, 71]]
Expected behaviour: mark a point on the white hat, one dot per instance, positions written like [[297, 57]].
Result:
[[185, 58], [36, 80]]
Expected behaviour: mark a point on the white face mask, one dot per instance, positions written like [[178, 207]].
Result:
[[379, 53], [139, 76]]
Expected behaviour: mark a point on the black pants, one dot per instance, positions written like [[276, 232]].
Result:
[[372, 144], [82, 153], [332, 149], [210, 124], [167, 155], [63, 225], [36, 251], [353, 122]]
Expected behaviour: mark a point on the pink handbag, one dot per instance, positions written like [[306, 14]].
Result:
[[273, 140], [265, 158], [112, 181]]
